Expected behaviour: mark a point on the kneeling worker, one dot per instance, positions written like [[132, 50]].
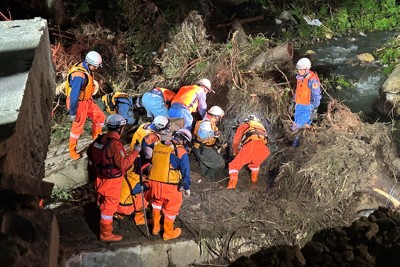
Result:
[[131, 201], [122, 104], [206, 136]]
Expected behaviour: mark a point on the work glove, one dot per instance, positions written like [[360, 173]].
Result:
[[181, 188], [217, 134], [72, 118], [186, 193], [137, 147]]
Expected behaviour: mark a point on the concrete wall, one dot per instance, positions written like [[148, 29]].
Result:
[[27, 81]]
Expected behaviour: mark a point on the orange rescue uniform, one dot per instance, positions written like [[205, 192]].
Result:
[[252, 137], [109, 188]]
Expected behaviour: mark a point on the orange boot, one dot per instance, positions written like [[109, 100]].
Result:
[[254, 176], [156, 221], [233, 179], [139, 218], [72, 148], [96, 133], [106, 229], [169, 231]]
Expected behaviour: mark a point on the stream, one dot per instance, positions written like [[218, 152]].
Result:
[[335, 57]]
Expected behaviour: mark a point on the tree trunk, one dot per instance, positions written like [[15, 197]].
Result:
[[277, 55]]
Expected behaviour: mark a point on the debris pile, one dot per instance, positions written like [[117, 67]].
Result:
[[372, 241]]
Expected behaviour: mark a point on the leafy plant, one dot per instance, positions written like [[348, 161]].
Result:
[[259, 41], [389, 54], [60, 194]]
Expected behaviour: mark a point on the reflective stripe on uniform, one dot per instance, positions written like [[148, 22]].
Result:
[[156, 207]]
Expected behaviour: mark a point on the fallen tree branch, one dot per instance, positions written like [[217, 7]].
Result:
[[242, 21]]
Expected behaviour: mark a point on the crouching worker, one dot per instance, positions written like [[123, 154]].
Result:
[[131, 201], [122, 104], [205, 142], [111, 161], [169, 177], [251, 136]]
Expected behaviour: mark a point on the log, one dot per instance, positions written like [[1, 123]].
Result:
[[242, 21], [277, 55], [241, 35]]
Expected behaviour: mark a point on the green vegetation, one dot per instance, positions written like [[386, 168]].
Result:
[[60, 195], [389, 54], [82, 8], [340, 17]]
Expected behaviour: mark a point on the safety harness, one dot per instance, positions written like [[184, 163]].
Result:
[[255, 131], [200, 143], [88, 86], [105, 167]]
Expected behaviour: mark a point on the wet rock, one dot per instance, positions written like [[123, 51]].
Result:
[[365, 57]]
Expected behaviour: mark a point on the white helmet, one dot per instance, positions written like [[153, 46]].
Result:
[[183, 133], [161, 124], [206, 83], [216, 111], [251, 117], [94, 58], [115, 121], [303, 64]]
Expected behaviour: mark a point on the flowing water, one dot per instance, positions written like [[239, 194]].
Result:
[[336, 57]]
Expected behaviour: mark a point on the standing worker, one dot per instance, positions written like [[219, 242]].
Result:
[[307, 96], [251, 136], [111, 161], [157, 101], [189, 99], [169, 177], [206, 137], [80, 87]]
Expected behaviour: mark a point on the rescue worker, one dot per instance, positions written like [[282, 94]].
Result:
[[251, 136], [307, 96], [206, 138], [122, 104], [131, 200], [149, 133], [157, 101], [189, 99], [169, 177], [110, 160], [146, 135], [80, 87]]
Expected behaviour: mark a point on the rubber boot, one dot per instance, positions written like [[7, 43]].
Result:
[[156, 221], [72, 148], [96, 133], [139, 218], [254, 177], [106, 232], [169, 231], [233, 179]]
